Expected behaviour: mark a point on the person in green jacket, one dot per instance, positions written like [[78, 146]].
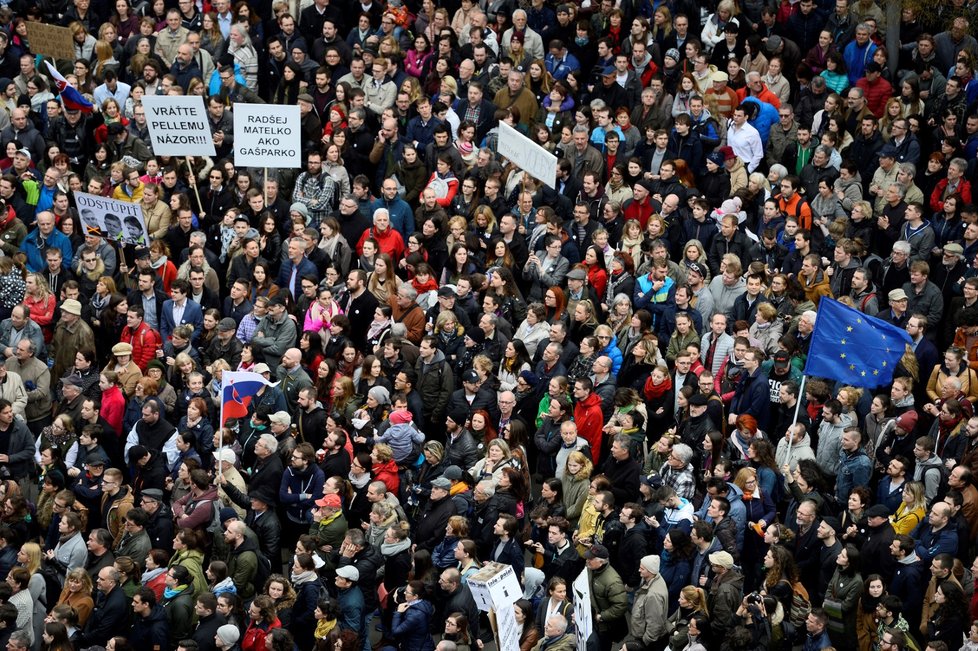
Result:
[[608, 595]]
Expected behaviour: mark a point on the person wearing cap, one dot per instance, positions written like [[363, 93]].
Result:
[[329, 523], [608, 595], [430, 528], [474, 395], [726, 97], [225, 345], [725, 592], [649, 622], [71, 335]]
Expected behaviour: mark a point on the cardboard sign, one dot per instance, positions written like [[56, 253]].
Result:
[[495, 587], [178, 125], [51, 40], [534, 159], [507, 630], [119, 221], [267, 135]]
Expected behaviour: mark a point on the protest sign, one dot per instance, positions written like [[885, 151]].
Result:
[[534, 159], [507, 630], [495, 586], [582, 610], [178, 125], [267, 135], [50, 40], [118, 221]]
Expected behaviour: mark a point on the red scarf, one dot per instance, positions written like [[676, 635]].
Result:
[[654, 391]]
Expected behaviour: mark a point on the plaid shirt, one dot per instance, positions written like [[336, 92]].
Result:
[[681, 481]]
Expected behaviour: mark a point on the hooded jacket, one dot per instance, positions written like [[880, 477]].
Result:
[[299, 491], [436, 382], [150, 632]]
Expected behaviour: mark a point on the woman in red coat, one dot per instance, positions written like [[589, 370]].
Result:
[[261, 621], [384, 469], [113, 402]]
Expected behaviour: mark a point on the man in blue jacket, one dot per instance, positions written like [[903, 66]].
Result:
[[855, 468], [752, 395], [402, 217], [934, 536], [44, 237]]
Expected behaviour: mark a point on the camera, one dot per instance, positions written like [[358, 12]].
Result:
[[754, 599]]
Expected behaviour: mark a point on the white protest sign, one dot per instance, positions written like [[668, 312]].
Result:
[[119, 221], [507, 630], [582, 609], [495, 586], [537, 161], [267, 135], [178, 125]]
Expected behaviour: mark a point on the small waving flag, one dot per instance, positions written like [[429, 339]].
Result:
[[70, 97], [238, 389]]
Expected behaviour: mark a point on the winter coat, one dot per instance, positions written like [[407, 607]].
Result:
[[411, 627], [649, 622]]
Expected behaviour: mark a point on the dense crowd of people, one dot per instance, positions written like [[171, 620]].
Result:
[[596, 377]]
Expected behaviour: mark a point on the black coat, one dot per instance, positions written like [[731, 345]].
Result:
[[206, 629], [430, 529], [110, 615]]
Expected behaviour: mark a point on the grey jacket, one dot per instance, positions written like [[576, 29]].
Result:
[[37, 381], [31, 331], [277, 337], [20, 451]]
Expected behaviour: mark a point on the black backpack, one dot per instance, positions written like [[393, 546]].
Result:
[[264, 569]]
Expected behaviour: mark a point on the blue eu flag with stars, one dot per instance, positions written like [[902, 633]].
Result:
[[848, 346]]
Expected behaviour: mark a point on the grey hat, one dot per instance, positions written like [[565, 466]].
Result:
[[773, 43], [442, 482], [229, 635], [576, 274], [673, 54], [349, 573], [302, 209], [454, 473], [227, 323], [380, 394], [154, 494]]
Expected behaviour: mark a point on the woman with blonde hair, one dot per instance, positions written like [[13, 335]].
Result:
[[41, 303], [692, 603], [912, 509], [575, 482], [77, 593], [587, 524], [490, 467]]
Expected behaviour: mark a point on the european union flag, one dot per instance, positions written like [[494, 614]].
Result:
[[848, 346]]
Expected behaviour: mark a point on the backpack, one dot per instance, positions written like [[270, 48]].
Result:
[[264, 569], [942, 486], [52, 584], [801, 607]]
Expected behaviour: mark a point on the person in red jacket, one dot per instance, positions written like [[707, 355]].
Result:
[[389, 240], [954, 184], [113, 402], [384, 468], [143, 339], [588, 416], [876, 89]]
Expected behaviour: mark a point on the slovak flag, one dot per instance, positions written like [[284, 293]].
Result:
[[238, 389], [70, 97]]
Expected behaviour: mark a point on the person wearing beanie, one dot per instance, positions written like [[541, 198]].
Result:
[[650, 612], [227, 638], [401, 435], [461, 448]]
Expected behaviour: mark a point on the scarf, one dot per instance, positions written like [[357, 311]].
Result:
[[170, 593], [361, 481], [324, 627], [654, 391], [159, 263], [149, 575], [303, 577], [392, 549], [377, 328]]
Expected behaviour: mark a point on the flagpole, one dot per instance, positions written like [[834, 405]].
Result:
[[794, 420], [190, 167], [220, 452]]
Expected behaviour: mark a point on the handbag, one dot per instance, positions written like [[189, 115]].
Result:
[[833, 608]]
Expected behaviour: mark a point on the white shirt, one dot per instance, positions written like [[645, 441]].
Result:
[[746, 143]]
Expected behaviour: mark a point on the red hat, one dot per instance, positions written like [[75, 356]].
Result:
[[727, 152], [400, 417], [907, 421], [330, 501]]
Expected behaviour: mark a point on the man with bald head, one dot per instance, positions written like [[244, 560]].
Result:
[[458, 599], [293, 378], [185, 67], [44, 237], [23, 131]]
